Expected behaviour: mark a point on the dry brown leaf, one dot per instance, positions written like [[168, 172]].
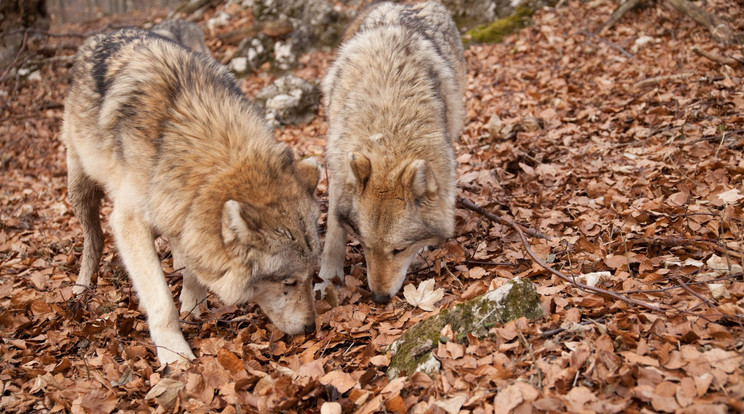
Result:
[[340, 380], [165, 392]]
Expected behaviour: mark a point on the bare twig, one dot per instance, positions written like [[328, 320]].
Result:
[[464, 202], [657, 79], [582, 286], [619, 12], [682, 241], [607, 42], [724, 60], [692, 291], [485, 263], [719, 29]]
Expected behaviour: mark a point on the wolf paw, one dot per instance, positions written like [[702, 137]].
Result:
[[78, 289], [168, 355], [324, 288]]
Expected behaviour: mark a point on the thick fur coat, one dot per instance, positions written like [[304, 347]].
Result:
[[168, 135], [394, 98]]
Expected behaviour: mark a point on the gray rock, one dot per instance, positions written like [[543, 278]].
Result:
[[252, 52], [325, 25], [289, 100], [287, 52], [412, 351], [183, 32]]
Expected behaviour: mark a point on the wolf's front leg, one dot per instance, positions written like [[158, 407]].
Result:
[[334, 254], [193, 293], [137, 248]]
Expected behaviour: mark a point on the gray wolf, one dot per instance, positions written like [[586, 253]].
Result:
[[169, 137], [183, 32], [394, 98]]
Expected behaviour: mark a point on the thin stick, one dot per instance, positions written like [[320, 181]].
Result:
[[657, 79], [464, 202], [582, 286], [693, 292], [607, 42], [683, 241], [618, 14], [724, 60]]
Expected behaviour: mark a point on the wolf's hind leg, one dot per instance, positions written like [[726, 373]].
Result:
[[136, 245], [85, 197]]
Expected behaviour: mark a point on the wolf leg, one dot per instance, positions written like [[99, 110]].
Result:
[[136, 245], [193, 293], [334, 252], [85, 197]]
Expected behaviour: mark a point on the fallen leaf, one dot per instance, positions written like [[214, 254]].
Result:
[[731, 196], [424, 296], [451, 405], [379, 360], [340, 380], [165, 392]]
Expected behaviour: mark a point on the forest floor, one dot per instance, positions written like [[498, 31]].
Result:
[[625, 149]]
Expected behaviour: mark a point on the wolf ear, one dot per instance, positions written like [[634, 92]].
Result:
[[361, 169], [309, 172], [241, 222], [419, 179]]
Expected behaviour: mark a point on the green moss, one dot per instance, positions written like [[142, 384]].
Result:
[[494, 32], [515, 299]]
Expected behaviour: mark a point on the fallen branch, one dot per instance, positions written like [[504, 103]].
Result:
[[718, 59], [607, 42], [618, 14], [657, 79], [681, 241], [719, 29], [592, 289], [693, 292], [582, 286], [464, 202]]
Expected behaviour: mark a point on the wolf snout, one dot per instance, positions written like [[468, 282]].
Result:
[[381, 298]]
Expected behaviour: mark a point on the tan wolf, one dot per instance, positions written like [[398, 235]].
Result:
[[168, 135], [394, 98]]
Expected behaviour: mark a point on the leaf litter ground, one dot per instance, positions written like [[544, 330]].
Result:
[[625, 150]]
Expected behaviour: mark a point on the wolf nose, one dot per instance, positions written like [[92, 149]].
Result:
[[381, 298], [310, 328]]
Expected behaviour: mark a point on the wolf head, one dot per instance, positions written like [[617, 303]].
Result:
[[272, 247], [394, 208]]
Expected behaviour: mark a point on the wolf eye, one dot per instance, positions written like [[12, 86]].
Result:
[[398, 251], [290, 283]]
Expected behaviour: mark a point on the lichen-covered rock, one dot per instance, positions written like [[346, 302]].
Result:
[[289, 100], [495, 31], [471, 13], [412, 351]]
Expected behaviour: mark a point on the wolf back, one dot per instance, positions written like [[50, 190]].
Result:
[[394, 98], [168, 135]]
